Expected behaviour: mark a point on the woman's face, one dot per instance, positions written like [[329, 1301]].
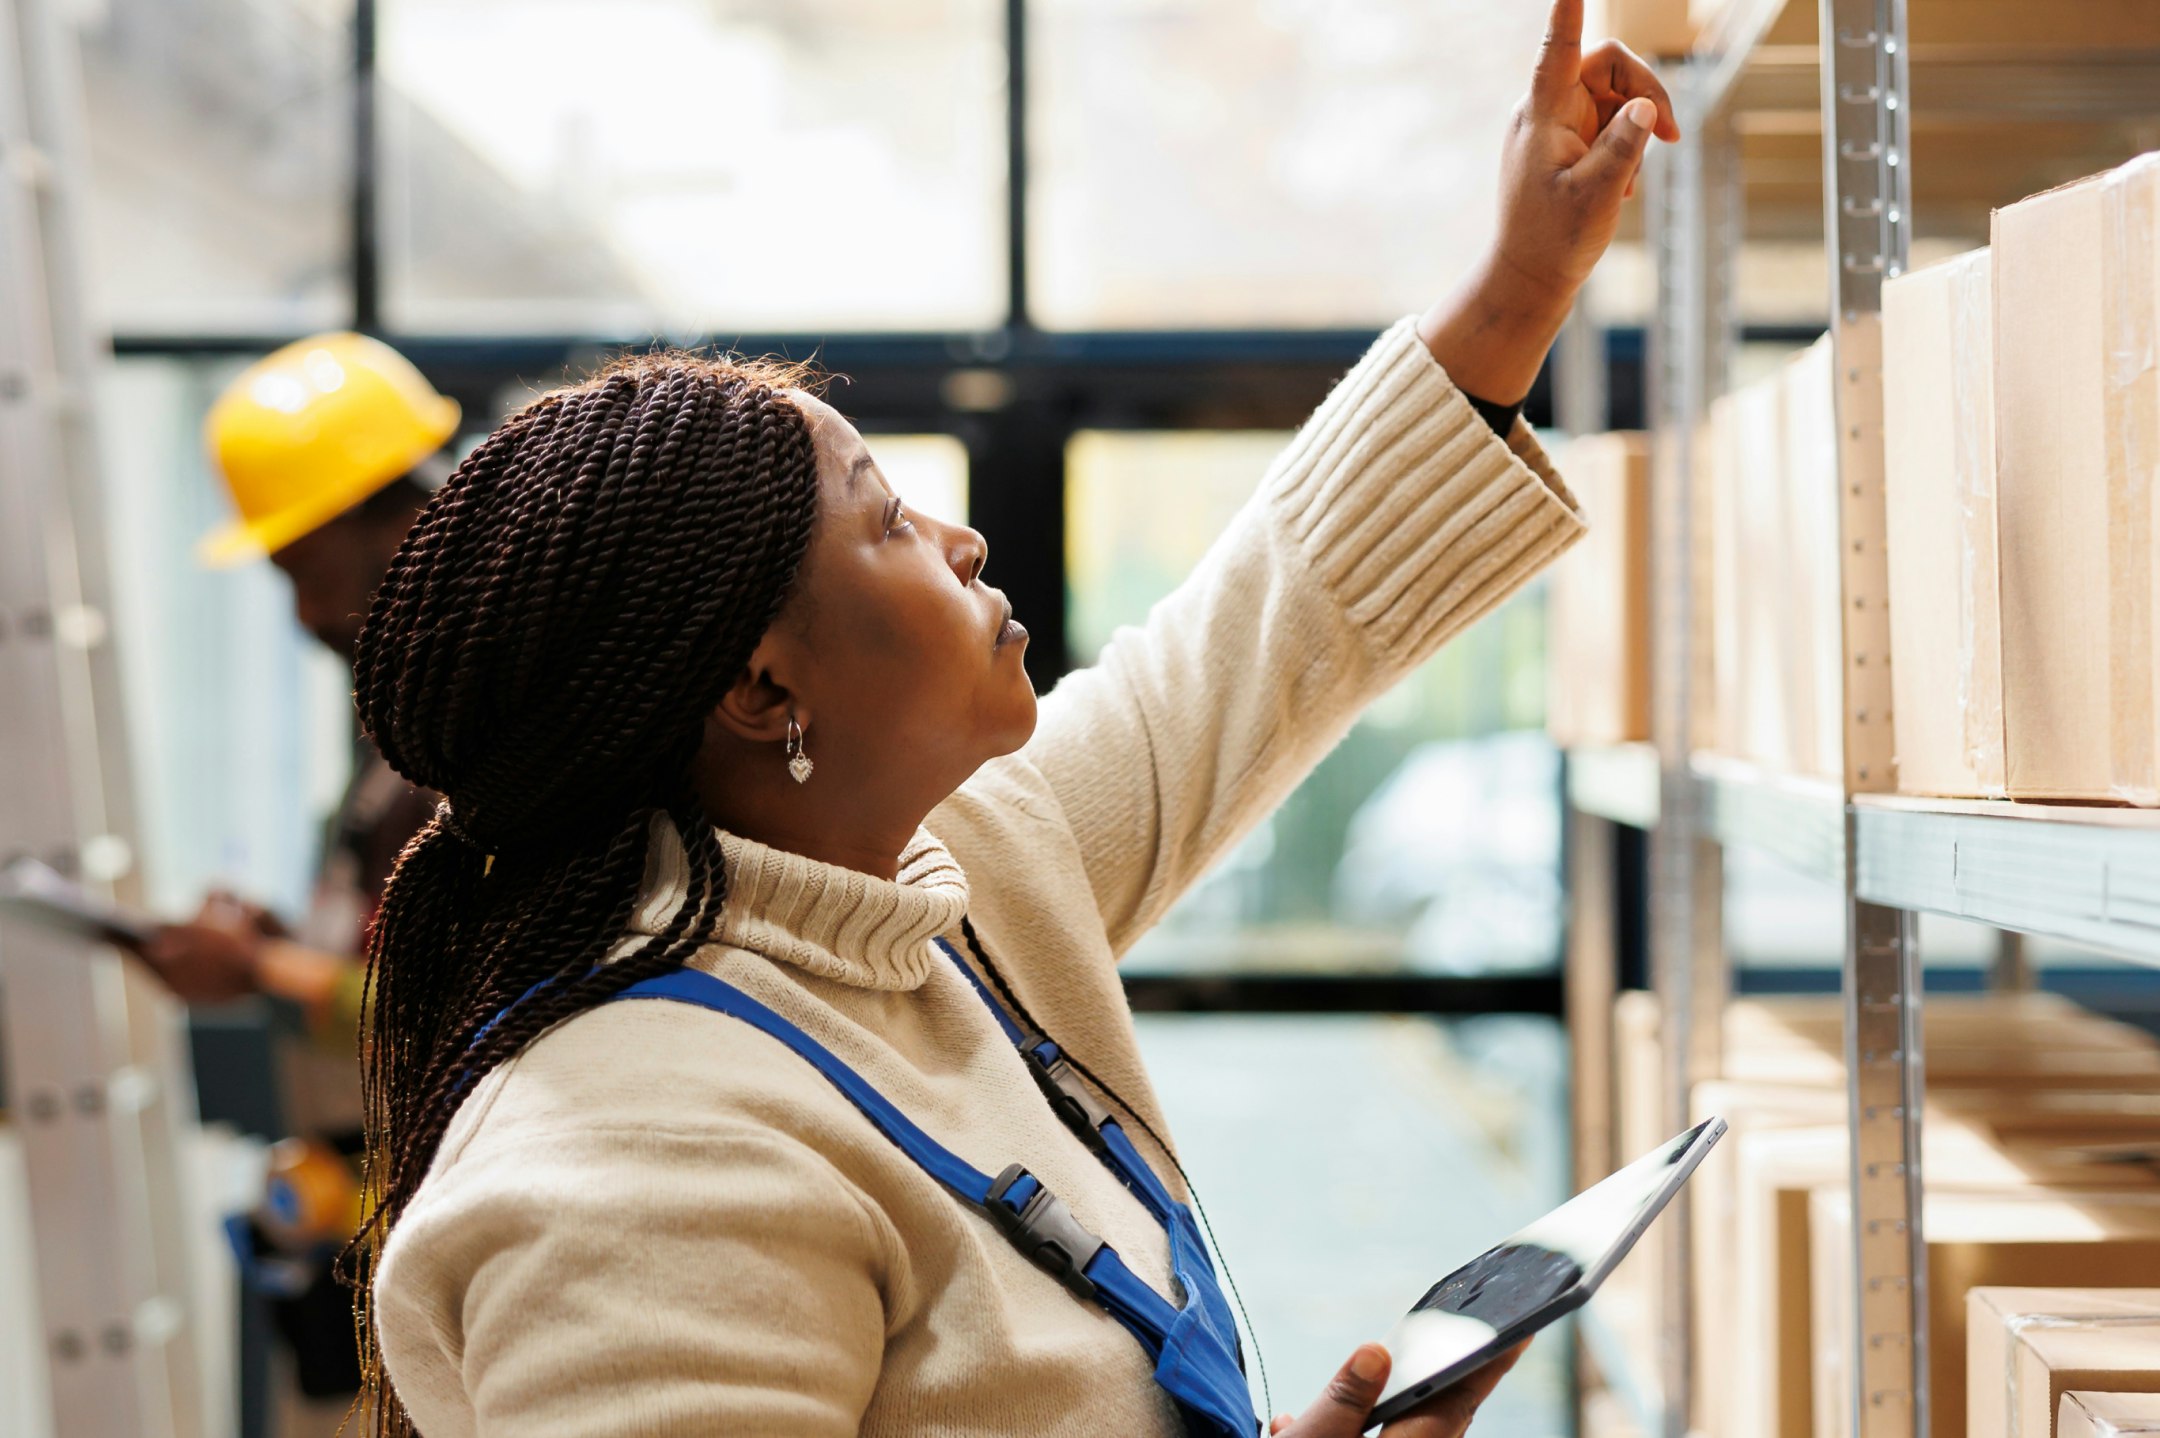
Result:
[[907, 657]]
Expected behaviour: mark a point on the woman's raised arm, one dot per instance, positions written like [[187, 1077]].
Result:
[[1395, 518]]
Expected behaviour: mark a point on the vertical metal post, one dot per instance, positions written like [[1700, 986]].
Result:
[[1593, 971], [365, 238], [1883, 1056], [1691, 251], [2011, 970], [1581, 398], [1867, 206], [1016, 165], [1671, 203]]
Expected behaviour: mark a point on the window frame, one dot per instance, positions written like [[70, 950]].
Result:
[[1045, 386]]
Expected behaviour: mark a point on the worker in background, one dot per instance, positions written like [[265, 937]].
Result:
[[329, 448]]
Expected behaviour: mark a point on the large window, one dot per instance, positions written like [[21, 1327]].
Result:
[[1204, 163], [837, 180], [626, 168], [1429, 840], [220, 139], [693, 166]]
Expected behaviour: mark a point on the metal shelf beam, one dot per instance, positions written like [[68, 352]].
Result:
[[2088, 876], [2091, 877], [1798, 822], [1968, 84]]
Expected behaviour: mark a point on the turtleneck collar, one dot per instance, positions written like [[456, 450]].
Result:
[[840, 923]]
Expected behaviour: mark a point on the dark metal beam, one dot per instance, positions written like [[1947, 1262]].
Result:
[[1016, 164], [365, 234], [1438, 995]]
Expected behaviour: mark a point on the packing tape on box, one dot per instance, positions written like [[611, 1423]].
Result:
[[1972, 324], [2016, 1324], [2133, 443]]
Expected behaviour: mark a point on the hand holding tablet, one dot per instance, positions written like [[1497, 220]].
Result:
[[1456, 1343], [1345, 1408]]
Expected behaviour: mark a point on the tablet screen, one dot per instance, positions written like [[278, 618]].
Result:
[[1509, 1285]]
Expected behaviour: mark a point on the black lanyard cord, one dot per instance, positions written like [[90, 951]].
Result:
[[1005, 991]]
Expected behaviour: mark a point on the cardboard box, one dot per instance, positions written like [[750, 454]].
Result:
[[2036, 1236], [1638, 1075], [1987, 1042], [2077, 433], [1811, 614], [2018, 24], [1637, 1286], [1939, 494], [2027, 1347], [2037, 1043], [1752, 1112], [2107, 1415], [1752, 560], [1765, 1250], [1598, 610], [1776, 636]]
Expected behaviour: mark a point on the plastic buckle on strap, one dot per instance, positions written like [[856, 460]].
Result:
[[1069, 1098], [1044, 1231]]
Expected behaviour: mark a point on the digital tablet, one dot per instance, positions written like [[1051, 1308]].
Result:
[[1550, 1269], [31, 892]]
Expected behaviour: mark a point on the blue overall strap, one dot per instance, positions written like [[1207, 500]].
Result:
[[1070, 1099], [1035, 1220], [1202, 1364]]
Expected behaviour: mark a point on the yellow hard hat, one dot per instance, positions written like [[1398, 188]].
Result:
[[308, 432]]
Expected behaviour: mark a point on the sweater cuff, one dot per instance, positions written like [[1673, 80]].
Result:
[[1410, 508]]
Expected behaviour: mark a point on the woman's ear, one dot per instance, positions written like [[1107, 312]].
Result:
[[758, 705]]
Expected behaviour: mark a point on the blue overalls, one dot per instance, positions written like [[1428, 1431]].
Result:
[[1194, 1348]]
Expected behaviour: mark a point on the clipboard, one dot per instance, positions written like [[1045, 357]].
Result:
[[37, 896]]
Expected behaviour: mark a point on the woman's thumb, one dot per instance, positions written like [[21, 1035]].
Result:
[[1344, 1407], [1619, 148]]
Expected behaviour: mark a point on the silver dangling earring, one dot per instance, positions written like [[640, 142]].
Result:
[[798, 763]]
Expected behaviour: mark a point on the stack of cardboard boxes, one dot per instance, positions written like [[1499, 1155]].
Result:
[[1777, 650], [2042, 1154], [1768, 649], [1597, 689], [2022, 455], [2022, 430]]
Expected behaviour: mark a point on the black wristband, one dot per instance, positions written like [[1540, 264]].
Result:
[[1501, 417]]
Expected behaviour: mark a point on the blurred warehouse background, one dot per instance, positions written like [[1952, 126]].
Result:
[[1082, 266]]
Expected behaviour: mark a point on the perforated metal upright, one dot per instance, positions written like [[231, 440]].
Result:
[[1867, 194], [1691, 195], [1694, 225], [2088, 876], [96, 1077]]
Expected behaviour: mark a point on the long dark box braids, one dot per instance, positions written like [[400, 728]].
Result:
[[542, 653]]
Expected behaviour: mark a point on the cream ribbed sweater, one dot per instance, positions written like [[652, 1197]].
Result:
[[659, 1221]]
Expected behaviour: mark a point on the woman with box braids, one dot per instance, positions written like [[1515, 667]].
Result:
[[729, 732], [542, 653]]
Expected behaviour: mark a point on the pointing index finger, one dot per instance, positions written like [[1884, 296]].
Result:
[[1559, 63]]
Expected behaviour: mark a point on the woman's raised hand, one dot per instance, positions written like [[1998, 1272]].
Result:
[[1344, 1410], [1572, 150], [1573, 147]]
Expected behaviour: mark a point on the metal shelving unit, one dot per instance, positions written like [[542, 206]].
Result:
[[2091, 877]]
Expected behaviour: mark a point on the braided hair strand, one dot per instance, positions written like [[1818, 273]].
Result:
[[543, 652]]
